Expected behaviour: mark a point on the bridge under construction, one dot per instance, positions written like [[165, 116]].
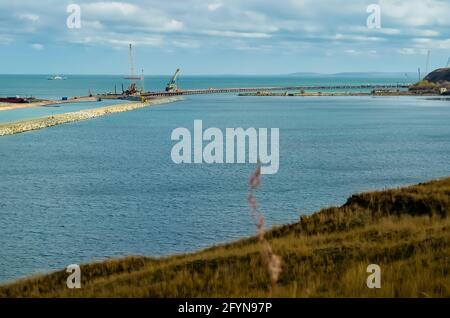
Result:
[[172, 88], [271, 88]]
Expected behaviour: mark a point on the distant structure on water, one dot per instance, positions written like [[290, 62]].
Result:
[[56, 78]]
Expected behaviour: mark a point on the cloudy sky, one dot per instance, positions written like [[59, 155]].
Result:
[[223, 36]]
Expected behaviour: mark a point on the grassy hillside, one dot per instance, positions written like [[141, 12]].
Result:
[[405, 231]]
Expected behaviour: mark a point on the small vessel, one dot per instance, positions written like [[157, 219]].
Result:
[[56, 78]]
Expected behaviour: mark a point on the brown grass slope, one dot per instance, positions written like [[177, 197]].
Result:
[[405, 231]]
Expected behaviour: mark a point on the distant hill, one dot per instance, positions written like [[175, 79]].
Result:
[[307, 74], [438, 76], [359, 74]]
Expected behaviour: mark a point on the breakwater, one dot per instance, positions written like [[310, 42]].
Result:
[[44, 122]]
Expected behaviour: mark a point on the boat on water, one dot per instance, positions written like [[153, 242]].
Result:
[[56, 78]]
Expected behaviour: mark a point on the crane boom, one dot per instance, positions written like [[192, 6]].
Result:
[[131, 77], [130, 57], [142, 82], [174, 77], [172, 85]]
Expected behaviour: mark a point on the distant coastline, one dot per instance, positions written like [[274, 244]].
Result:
[[406, 75]]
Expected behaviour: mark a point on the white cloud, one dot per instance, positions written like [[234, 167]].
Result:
[[130, 18], [118, 41], [389, 31], [358, 38], [255, 35], [417, 12], [351, 51], [37, 46], [29, 17], [411, 51], [427, 43], [365, 29], [186, 44], [173, 25], [294, 25], [96, 25], [360, 52], [407, 51], [214, 6], [427, 33], [5, 39], [110, 8], [422, 40]]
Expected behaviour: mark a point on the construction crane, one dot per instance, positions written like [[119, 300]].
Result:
[[142, 82], [172, 85], [130, 59], [132, 89], [428, 62], [132, 77]]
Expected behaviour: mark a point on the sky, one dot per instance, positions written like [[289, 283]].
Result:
[[223, 36]]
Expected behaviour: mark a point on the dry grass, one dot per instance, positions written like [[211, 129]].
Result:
[[405, 231]]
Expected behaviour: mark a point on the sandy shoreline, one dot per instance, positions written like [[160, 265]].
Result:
[[49, 121]]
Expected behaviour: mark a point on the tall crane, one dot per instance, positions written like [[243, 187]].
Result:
[[142, 81], [428, 62], [132, 88], [172, 85], [130, 59], [132, 77]]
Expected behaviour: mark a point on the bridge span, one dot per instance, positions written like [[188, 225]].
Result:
[[271, 88]]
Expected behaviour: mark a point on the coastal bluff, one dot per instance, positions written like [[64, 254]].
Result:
[[441, 75], [44, 122]]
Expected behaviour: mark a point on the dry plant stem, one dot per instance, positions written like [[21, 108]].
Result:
[[272, 260]]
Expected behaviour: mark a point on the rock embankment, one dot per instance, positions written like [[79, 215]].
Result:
[[44, 122]]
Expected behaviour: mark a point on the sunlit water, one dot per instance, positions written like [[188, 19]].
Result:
[[107, 187]]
